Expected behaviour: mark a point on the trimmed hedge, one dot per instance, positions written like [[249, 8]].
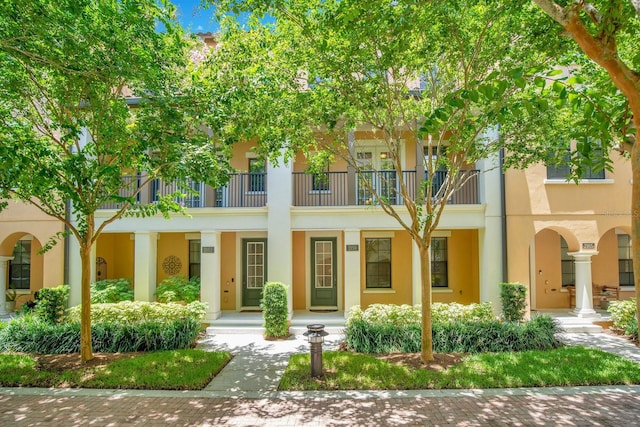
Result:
[[514, 301], [30, 334], [274, 310], [52, 303]]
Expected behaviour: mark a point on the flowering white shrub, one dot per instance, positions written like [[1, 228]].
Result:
[[402, 315], [623, 313], [131, 312]]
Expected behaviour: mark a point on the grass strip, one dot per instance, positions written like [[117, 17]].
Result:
[[566, 366], [190, 369]]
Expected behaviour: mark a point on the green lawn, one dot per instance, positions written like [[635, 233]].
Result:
[[162, 370], [567, 366]]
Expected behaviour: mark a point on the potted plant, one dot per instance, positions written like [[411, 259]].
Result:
[[11, 295]]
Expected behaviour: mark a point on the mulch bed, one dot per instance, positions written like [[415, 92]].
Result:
[[440, 362]]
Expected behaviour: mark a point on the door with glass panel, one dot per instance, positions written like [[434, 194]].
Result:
[[377, 174], [254, 270], [324, 289]]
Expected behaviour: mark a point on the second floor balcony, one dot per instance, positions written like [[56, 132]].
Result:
[[326, 189]]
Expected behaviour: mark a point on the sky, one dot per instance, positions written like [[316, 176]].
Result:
[[193, 18]]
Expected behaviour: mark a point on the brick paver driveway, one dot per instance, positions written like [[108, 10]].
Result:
[[610, 408]]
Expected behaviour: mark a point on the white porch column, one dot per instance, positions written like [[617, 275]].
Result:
[[3, 282], [490, 239], [351, 269], [416, 274], [584, 293], [146, 258], [279, 239], [210, 272], [75, 272]]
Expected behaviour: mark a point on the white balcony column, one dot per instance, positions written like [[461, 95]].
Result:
[[584, 292], [145, 265], [4, 261], [279, 238], [416, 274], [210, 272], [75, 272], [351, 269]]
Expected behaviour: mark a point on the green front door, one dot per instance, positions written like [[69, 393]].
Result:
[[254, 270], [324, 289]]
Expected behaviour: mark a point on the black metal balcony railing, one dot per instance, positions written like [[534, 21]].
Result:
[[324, 189], [244, 190], [333, 188], [131, 183]]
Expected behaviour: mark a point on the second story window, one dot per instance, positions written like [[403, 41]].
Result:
[[257, 169], [561, 168]]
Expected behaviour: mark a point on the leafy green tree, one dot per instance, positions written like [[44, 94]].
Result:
[[96, 103], [433, 78], [608, 33]]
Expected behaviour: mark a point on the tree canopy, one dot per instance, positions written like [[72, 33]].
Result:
[[96, 103]]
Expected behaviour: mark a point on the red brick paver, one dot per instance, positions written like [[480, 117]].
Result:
[[613, 409]]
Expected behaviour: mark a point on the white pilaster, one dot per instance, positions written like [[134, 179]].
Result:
[[490, 238], [210, 272], [351, 270], [416, 274], [279, 239], [584, 293], [145, 264], [75, 273], [3, 282]]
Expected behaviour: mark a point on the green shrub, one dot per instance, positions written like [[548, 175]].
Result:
[[52, 303], [390, 329], [111, 290], [274, 310], [514, 301], [132, 312], [178, 288], [495, 336], [623, 316], [31, 334]]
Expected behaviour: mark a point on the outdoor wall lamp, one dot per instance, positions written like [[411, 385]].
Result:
[[315, 335]]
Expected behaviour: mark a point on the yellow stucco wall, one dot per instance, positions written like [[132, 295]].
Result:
[[172, 244], [548, 273], [463, 269], [228, 280], [401, 287], [117, 249], [299, 275]]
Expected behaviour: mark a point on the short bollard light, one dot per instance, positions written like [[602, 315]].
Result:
[[315, 334]]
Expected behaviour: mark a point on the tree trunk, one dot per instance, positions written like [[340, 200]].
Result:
[[426, 353], [86, 353]]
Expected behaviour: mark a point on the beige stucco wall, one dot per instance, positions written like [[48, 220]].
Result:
[[19, 220], [582, 213]]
